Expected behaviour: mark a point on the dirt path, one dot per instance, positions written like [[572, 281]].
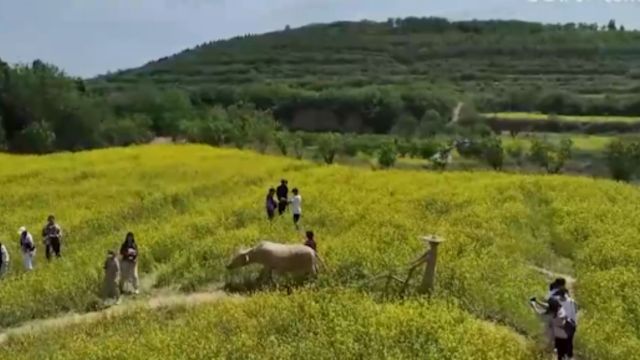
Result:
[[456, 113], [552, 275], [157, 300]]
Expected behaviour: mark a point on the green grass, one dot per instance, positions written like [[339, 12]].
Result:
[[571, 118]]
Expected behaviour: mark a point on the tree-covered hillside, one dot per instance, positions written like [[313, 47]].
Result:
[[498, 65]]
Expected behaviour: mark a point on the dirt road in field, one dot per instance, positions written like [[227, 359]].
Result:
[[456, 113], [552, 275], [158, 300]]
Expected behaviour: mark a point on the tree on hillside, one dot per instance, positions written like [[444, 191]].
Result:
[[623, 159], [551, 156], [405, 126], [612, 25], [430, 124], [38, 99], [492, 152], [329, 144]]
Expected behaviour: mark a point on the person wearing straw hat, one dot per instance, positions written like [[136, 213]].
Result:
[[28, 248]]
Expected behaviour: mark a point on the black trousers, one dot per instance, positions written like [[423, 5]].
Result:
[[571, 332], [282, 207], [53, 247], [562, 348]]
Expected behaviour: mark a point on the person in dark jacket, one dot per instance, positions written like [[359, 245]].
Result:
[[111, 277], [52, 236], [271, 203], [283, 194], [129, 263]]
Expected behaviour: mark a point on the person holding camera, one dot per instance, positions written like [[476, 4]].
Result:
[[129, 263]]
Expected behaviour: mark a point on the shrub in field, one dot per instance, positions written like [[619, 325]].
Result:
[[492, 152], [516, 151], [387, 155], [282, 140], [298, 146], [133, 130], [426, 148], [351, 145], [37, 138], [623, 159], [329, 144], [549, 155], [405, 148]]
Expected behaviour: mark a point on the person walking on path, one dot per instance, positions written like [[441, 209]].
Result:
[[4, 260], [111, 268], [555, 326], [570, 309], [283, 195], [129, 263], [271, 203], [52, 235], [28, 248], [296, 207]]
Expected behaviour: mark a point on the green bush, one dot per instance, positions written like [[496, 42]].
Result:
[[492, 152], [387, 155], [298, 146], [623, 159], [282, 140], [551, 156], [516, 151], [329, 145], [135, 129], [36, 138]]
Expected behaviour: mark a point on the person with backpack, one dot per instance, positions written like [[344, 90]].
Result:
[[555, 321], [129, 263], [283, 195], [570, 309], [271, 204], [52, 236], [28, 248], [4, 260], [296, 207]]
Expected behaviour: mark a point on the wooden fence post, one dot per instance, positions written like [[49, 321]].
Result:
[[430, 269]]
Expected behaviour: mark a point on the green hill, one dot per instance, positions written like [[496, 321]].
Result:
[[499, 65]]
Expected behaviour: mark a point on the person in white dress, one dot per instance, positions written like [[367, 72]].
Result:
[[28, 248]]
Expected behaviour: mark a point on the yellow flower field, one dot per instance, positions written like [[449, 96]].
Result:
[[192, 206]]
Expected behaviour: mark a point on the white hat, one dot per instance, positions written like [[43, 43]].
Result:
[[21, 230]]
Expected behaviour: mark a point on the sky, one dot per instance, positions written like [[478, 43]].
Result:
[[90, 37]]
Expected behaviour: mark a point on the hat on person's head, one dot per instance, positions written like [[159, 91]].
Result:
[[21, 230]]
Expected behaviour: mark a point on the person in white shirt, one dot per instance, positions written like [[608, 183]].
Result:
[[296, 206], [570, 310], [28, 248], [4, 260]]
